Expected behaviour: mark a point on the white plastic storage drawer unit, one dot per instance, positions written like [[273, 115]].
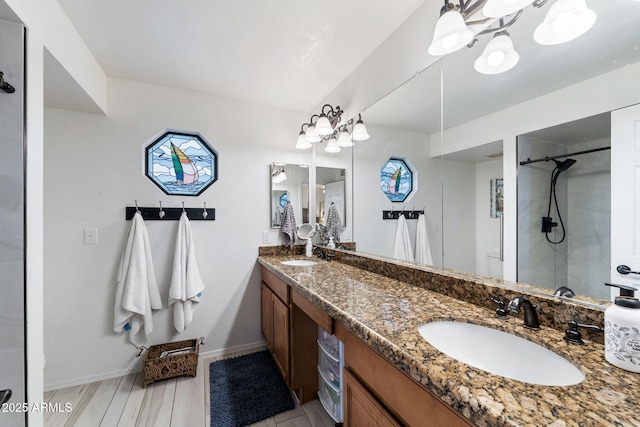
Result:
[[330, 364]]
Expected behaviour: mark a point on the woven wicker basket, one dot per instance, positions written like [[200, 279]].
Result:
[[170, 360]]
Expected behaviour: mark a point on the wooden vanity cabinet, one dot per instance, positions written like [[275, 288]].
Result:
[[275, 328], [382, 388], [361, 408], [291, 335]]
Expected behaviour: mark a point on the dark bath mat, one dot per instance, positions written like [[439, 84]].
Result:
[[247, 389]]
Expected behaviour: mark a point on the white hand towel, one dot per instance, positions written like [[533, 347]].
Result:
[[423, 251], [288, 226], [186, 284], [137, 290], [403, 250]]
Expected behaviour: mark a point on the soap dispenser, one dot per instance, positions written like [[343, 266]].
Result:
[[622, 330], [309, 248]]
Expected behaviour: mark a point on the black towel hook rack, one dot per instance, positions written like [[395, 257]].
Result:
[[170, 214]]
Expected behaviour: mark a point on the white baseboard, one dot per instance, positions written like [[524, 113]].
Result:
[[72, 382]]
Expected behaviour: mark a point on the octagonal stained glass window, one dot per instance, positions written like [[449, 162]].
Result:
[[181, 163], [396, 180]]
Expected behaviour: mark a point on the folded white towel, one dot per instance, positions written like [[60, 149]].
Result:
[[186, 283], [423, 251], [402, 249], [288, 226], [137, 290]]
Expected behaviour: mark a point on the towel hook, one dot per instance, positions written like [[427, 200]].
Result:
[[4, 85], [161, 213], [183, 211], [205, 214], [137, 207]]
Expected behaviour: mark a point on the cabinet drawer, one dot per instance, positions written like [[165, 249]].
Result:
[[331, 398], [277, 286]]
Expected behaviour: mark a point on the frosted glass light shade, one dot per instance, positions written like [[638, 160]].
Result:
[[344, 139], [323, 126], [303, 143], [312, 134], [498, 56], [451, 33], [500, 8], [332, 146], [359, 132], [566, 20]]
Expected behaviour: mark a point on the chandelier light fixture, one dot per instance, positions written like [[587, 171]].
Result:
[[565, 20], [326, 127]]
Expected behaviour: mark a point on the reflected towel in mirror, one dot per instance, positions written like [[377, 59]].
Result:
[[334, 223], [288, 226], [423, 251], [403, 250]]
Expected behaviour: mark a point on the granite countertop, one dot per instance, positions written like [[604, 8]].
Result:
[[386, 313]]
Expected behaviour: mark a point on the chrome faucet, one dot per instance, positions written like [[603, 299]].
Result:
[[530, 315]]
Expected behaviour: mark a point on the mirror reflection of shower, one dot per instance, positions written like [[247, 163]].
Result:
[[564, 214], [547, 221]]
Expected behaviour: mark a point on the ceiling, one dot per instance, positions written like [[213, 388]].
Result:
[[284, 53]]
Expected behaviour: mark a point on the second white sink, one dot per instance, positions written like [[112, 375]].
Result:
[[501, 353], [299, 262]]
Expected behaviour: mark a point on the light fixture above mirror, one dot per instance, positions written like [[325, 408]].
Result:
[[325, 127], [566, 20]]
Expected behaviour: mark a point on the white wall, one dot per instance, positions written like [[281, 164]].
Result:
[[94, 169], [487, 228]]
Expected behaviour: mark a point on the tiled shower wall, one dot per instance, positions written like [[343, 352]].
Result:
[[584, 196], [12, 260]]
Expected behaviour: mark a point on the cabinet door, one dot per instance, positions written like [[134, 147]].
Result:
[[361, 409], [280, 341], [266, 315]]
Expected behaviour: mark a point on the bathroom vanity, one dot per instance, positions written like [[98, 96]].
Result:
[[393, 376]]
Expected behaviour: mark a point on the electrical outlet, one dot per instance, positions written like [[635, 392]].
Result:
[[266, 237], [90, 236]]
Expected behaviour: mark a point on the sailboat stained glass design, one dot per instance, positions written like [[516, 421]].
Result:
[[181, 163], [396, 180]]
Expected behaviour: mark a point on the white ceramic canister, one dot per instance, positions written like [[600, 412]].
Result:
[[622, 333]]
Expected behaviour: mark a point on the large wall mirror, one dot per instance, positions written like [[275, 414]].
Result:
[[289, 183], [467, 146], [401, 127]]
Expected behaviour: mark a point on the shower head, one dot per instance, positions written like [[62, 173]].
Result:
[[563, 166]]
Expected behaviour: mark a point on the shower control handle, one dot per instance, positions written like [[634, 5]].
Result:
[[625, 269]]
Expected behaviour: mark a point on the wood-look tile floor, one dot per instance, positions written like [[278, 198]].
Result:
[[178, 402]]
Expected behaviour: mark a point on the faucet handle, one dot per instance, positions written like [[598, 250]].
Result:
[[573, 335], [501, 312]]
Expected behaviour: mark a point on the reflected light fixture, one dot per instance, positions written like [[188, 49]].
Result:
[[566, 20], [278, 175], [338, 136]]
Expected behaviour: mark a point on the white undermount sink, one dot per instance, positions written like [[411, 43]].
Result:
[[501, 353], [299, 262]]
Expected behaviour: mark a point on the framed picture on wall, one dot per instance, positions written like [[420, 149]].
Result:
[[181, 163], [497, 198]]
